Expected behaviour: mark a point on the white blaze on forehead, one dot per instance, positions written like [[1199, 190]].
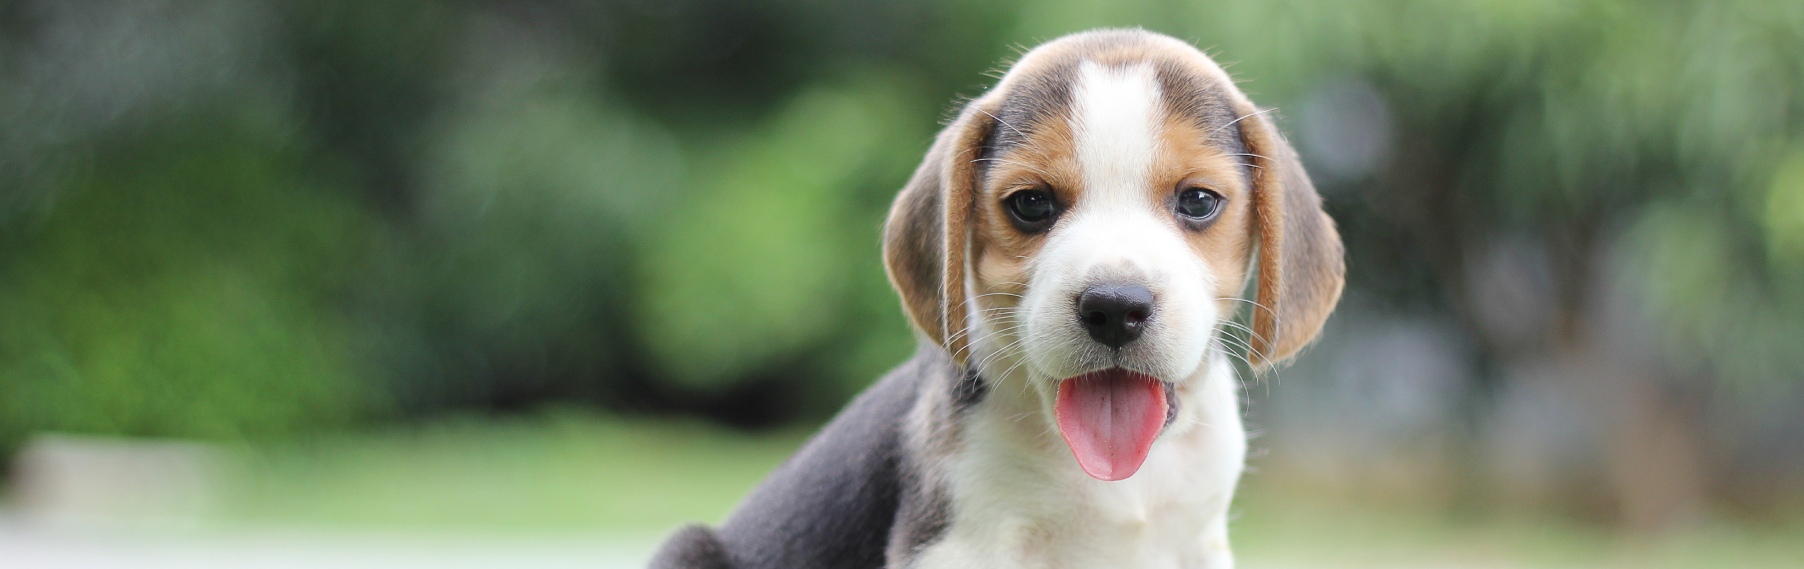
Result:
[[1118, 232], [1115, 123]]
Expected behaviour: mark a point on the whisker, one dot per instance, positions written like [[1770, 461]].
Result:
[[1246, 154], [1005, 123], [1231, 325], [1243, 328], [999, 352], [971, 347], [1242, 117], [1248, 301]]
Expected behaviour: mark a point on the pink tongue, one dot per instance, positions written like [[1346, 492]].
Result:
[[1110, 418]]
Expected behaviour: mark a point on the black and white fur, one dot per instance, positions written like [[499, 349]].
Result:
[[952, 460]]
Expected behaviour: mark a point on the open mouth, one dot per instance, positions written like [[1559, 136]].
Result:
[[1110, 418]]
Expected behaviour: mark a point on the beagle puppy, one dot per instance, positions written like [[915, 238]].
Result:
[[1074, 250]]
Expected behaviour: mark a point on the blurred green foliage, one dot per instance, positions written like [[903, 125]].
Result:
[[184, 287], [675, 206], [516, 257], [763, 258]]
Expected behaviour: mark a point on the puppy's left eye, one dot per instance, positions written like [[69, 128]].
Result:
[[1199, 203], [1032, 210]]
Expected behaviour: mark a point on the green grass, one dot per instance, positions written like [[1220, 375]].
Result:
[[1275, 529], [565, 473], [558, 472]]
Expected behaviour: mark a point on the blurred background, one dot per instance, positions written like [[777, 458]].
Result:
[[447, 284]]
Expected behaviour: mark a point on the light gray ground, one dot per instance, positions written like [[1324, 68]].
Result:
[[27, 547]]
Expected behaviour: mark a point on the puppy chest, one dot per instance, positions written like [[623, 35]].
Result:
[[1164, 517], [1161, 538]]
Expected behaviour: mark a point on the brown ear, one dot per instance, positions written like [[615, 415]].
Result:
[[925, 241], [1301, 264]]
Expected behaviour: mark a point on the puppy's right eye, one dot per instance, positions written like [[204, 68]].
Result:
[[1032, 209]]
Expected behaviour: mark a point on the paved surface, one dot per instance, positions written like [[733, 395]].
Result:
[[36, 546], [24, 547]]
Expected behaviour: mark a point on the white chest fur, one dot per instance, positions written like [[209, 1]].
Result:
[[1019, 499]]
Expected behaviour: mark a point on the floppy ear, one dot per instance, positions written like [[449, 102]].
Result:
[[1301, 265], [925, 241]]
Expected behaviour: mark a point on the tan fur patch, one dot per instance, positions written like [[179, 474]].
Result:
[[1186, 159], [951, 197], [1004, 254], [1046, 159]]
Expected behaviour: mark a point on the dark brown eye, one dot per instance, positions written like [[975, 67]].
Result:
[[1031, 209], [1199, 204]]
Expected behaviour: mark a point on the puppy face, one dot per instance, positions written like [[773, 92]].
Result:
[[1110, 186], [1088, 227]]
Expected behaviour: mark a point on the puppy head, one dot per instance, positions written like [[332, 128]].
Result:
[[1090, 225]]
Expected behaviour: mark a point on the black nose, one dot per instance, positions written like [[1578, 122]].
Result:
[[1115, 314]]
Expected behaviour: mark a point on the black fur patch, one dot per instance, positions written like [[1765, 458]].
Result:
[[925, 514], [1036, 100], [970, 390], [1205, 101], [845, 500], [692, 547]]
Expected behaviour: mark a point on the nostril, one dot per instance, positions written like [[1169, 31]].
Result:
[[1096, 318], [1115, 314]]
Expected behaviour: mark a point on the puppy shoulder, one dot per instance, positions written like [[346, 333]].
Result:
[[838, 501], [692, 547]]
